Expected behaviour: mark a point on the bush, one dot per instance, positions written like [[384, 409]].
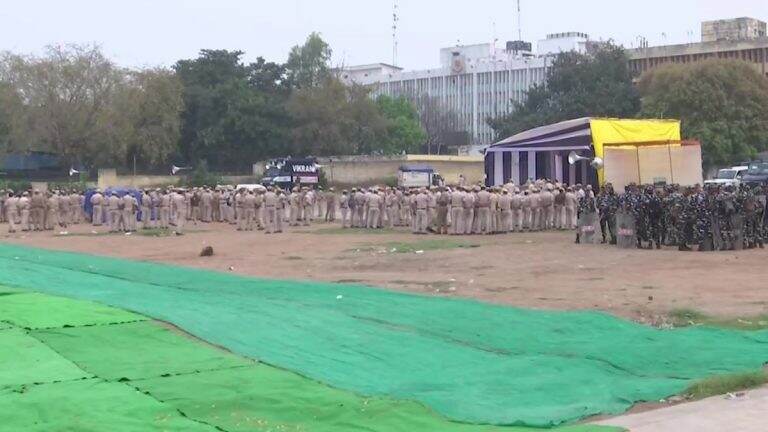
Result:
[[200, 176], [67, 186], [15, 185], [391, 181], [322, 180]]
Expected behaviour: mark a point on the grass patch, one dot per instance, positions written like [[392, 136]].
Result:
[[84, 234], [690, 317], [722, 384], [154, 232], [293, 258], [412, 247]]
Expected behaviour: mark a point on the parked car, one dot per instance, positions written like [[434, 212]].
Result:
[[729, 176]]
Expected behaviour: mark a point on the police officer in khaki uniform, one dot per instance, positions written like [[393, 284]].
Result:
[[517, 210], [146, 209], [97, 201], [374, 209], [505, 208], [129, 213], [344, 204], [295, 203], [468, 216], [52, 210], [331, 200], [37, 211], [113, 211], [11, 209], [270, 210], [307, 204], [443, 202], [164, 208], [483, 212], [422, 208], [282, 203], [179, 207], [457, 211], [24, 210]]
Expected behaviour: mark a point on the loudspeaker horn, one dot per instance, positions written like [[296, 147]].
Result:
[[175, 169], [574, 157]]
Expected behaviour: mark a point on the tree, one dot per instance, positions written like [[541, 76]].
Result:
[[9, 103], [722, 103], [65, 96], [404, 133], [333, 119], [234, 113], [74, 102], [438, 121], [308, 64], [596, 84], [152, 105]]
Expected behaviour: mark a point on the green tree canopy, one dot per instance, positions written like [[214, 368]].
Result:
[[234, 112], [334, 119], [722, 103], [308, 64], [337, 119], [578, 85], [404, 131]]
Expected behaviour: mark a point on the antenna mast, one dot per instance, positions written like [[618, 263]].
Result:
[[395, 19], [519, 22]]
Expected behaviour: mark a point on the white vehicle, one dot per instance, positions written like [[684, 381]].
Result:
[[252, 187], [410, 176], [729, 176]]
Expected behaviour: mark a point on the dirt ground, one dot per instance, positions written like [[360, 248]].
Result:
[[536, 270]]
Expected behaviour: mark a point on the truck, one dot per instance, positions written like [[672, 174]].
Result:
[[413, 176], [289, 172], [757, 174], [729, 176]]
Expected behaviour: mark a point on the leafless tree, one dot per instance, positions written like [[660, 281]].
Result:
[[439, 121]]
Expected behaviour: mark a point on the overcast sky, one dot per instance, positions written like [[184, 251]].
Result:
[[159, 32]]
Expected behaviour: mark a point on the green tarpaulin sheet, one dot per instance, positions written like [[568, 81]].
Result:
[[246, 397], [134, 351], [469, 361], [89, 406], [24, 360], [263, 398], [37, 311]]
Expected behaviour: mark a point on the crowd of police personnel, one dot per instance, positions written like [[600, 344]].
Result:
[[710, 217], [462, 210], [454, 210]]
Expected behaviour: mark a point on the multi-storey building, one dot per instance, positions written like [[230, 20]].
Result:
[[732, 29], [475, 82], [738, 39], [478, 82]]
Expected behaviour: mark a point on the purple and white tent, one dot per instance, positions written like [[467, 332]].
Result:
[[542, 152]]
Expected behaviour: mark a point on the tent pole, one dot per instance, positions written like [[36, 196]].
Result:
[[639, 177]]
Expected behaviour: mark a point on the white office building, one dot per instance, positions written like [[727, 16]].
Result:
[[476, 82]]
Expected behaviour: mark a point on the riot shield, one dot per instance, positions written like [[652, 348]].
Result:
[[589, 227], [737, 226], [626, 234]]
